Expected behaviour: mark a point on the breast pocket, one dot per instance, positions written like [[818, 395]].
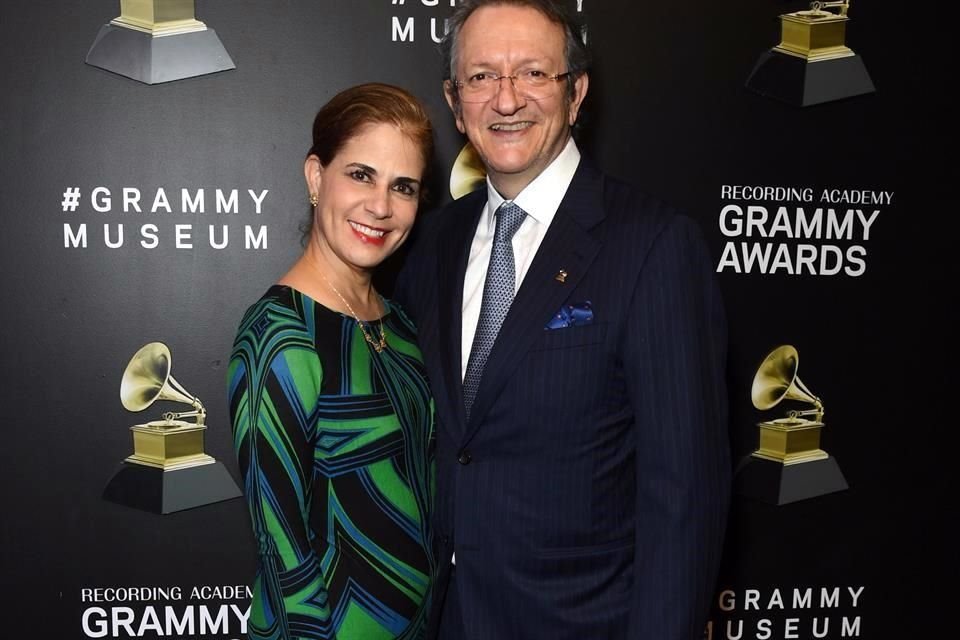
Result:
[[571, 337]]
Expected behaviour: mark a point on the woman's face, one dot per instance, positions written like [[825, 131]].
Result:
[[368, 196]]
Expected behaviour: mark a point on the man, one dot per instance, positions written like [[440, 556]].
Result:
[[575, 343]]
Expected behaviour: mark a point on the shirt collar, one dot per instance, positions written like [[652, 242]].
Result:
[[541, 198]]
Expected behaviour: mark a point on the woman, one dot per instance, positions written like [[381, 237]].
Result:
[[331, 413]]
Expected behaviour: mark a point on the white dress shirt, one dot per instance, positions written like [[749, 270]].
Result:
[[540, 199]]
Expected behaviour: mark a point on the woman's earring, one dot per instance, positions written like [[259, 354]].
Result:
[[314, 199]]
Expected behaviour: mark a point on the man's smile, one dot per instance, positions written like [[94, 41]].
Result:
[[511, 126]]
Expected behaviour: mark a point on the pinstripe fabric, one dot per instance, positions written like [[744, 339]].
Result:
[[594, 501], [335, 446]]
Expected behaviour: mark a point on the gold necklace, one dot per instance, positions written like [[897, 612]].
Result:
[[378, 345]]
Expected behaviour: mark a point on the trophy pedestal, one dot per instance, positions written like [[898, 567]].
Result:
[[169, 445], [802, 83], [778, 484], [154, 59], [153, 489]]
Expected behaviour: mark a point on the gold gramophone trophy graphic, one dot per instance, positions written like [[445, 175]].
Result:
[[789, 464], [812, 64], [168, 470], [467, 173], [156, 41]]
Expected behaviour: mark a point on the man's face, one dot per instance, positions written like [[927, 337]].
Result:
[[515, 136]]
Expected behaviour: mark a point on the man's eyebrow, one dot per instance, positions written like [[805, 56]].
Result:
[[517, 63]]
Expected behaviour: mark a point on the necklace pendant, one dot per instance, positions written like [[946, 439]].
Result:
[[377, 346]]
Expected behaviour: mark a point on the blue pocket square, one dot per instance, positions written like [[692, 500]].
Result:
[[571, 315]]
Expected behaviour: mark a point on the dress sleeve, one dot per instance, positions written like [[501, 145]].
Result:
[[273, 383]]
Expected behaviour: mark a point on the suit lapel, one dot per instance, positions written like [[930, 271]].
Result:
[[568, 245], [460, 226]]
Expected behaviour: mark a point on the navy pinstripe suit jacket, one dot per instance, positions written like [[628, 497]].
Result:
[[586, 498]]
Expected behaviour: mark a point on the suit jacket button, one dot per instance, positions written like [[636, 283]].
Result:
[[465, 457]]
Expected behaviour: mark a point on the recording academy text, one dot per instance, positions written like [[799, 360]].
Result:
[[798, 231]]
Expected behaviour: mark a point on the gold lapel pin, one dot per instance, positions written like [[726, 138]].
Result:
[[561, 276]]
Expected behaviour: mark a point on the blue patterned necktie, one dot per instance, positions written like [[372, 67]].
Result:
[[498, 290]]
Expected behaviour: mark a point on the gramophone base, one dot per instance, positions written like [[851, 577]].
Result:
[[801, 83], [155, 59], [159, 491], [777, 483]]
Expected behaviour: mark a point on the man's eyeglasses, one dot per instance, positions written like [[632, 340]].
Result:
[[532, 85]]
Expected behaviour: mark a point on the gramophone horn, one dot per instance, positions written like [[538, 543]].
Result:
[[777, 379], [467, 173], [147, 379]]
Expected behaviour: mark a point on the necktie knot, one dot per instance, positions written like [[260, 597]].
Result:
[[509, 218]]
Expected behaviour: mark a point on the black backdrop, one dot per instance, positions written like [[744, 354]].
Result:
[[667, 110]]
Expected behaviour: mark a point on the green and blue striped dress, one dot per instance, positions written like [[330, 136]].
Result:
[[335, 443]]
